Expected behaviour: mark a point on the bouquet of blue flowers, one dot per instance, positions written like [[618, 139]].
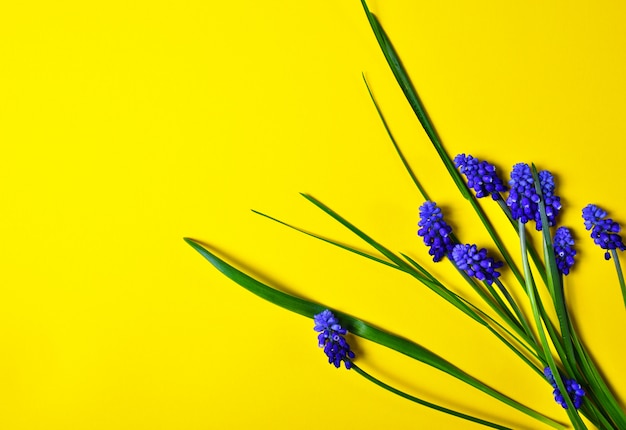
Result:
[[545, 340]]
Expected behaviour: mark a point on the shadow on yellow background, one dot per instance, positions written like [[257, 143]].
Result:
[[126, 126]]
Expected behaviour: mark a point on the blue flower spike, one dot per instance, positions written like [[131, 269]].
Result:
[[476, 263], [331, 338], [604, 231], [523, 200], [564, 250], [551, 201], [574, 390], [481, 176], [435, 231]]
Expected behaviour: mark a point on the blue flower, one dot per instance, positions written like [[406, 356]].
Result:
[[481, 176], [563, 249], [603, 230], [434, 230], [331, 338], [593, 215], [552, 202], [476, 263], [573, 388], [523, 200]]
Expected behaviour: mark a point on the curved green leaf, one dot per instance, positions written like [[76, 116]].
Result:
[[360, 328]]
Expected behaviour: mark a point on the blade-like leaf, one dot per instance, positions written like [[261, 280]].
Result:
[[330, 241], [424, 402], [405, 163], [435, 286], [360, 328], [572, 413]]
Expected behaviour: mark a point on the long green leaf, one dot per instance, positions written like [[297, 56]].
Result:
[[414, 101], [424, 273], [330, 241], [598, 386], [435, 286], [360, 328], [554, 282], [411, 95], [424, 402], [534, 300], [405, 163]]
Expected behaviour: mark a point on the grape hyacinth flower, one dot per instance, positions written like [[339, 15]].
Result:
[[435, 231], [552, 202], [603, 230], [563, 250], [331, 338], [523, 200], [574, 390], [476, 263], [481, 176]]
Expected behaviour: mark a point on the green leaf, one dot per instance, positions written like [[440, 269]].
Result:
[[534, 302], [433, 281], [414, 101], [553, 277], [435, 286], [422, 402], [359, 328], [411, 95], [330, 241], [405, 163]]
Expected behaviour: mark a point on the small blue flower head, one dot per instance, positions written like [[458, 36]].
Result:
[[552, 202], [523, 200], [481, 176], [564, 249], [604, 231], [331, 338], [435, 231], [574, 390], [476, 263]]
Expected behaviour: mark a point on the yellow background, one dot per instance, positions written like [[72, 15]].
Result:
[[125, 126]]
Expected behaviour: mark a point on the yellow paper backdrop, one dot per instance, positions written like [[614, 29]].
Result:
[[125, 126]]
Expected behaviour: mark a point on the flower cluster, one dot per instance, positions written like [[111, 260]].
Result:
[[574, 390], [476, 263], [603, 230], [552, 202], [529, 196], [435, 231], [331, 338], [481, 176], [563, 250], [523, 199]]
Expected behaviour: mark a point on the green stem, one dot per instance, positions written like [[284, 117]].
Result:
[[424, 402], [620, 274], [517, 352], [571, 411], [522, 319], [598, 386], [531, 249], [525, 341], [553, 276]]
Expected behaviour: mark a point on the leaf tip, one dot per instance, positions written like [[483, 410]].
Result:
[[190, 241]]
